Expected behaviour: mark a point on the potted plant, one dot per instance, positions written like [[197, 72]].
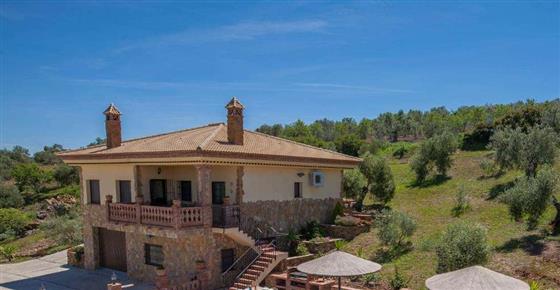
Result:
[[160, 271]]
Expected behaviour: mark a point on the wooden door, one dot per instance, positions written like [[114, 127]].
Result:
[[112, 249]]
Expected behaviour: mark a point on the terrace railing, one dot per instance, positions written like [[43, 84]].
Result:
[[175, 216], [225, 216]]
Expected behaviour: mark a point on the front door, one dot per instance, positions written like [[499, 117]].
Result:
[[158, 192], [112, 249]]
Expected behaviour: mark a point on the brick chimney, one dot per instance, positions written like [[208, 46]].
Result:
[[235, 121], [113, 126]]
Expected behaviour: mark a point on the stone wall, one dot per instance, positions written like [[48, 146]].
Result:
[[289, 214], [344, 232], [181, 248]]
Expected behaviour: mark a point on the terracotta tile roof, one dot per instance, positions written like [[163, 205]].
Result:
[[211, 141]]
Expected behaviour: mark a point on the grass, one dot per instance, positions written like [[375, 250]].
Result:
[[516, 251]]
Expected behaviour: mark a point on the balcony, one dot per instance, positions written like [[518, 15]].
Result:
[[225, 216], [173, 217]]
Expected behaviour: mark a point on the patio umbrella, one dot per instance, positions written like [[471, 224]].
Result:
[[475, 277], [339, 264]]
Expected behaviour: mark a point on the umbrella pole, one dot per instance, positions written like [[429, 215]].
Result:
[[339, 286]]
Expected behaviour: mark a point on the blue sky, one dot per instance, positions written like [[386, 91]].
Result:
[[175, 65]]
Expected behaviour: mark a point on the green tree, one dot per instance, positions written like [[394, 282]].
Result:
[[349, 144], [462, 245], [530, 196], [10, 196], [354, 184], [66, 175], [379, 177], [29, 175], [98, 141], [394, 228], [436, 151], [48, 155]]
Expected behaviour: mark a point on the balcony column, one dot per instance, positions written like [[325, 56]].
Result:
[[139, 197], [240, 170], [108, 201], [203, 173]]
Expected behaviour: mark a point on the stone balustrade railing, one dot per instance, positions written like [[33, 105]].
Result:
[[174, 216]]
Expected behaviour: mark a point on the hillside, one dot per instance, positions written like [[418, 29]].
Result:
[[515, 251]]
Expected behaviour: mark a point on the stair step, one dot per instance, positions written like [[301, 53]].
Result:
[[250, 277]]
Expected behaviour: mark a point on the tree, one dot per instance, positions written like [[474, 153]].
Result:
[[18, 154], [349, 144], [379, 177], [395, 228], [66, 175], [527, 151], [354, 184], [29, 175], [530, 196], [48, 155], [462, 245], [10, 196], [435, 151], [98, 141]]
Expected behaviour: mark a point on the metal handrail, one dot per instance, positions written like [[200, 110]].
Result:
[[260, 252]]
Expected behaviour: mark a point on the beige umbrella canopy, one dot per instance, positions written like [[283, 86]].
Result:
[[475, 278], [339, 264]]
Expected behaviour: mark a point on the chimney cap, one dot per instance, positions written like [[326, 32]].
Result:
[[112, 110], [234, 103]]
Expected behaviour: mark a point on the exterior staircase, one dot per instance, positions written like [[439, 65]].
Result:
[[259, 268], [237, 235]]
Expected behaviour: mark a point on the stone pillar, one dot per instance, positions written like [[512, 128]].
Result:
[[203, 275], [240, 170], [108, 201], [139, 198], [176, 207], [162, 281], [205, 192], [91, 243]]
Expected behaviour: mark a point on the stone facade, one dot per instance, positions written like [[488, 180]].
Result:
[[345, 232], [181, 248], [290, 214]]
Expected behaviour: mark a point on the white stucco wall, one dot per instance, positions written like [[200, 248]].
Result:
[[107, 174], [259, 182], [277, 183]]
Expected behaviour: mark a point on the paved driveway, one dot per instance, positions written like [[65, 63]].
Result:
[[54, 274]]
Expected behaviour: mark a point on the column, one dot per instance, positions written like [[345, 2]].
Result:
[[91, 259], [204, 193]]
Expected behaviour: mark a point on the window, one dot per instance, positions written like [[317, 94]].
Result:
[[185, 190], [125, 193], [318, 179], [218, 192], [153, 255], [94, 194], [228, 257], [297, 189]]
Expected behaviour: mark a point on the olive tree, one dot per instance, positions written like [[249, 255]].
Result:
[[379, 177], [435, 152], [395, 228], [354, 184]]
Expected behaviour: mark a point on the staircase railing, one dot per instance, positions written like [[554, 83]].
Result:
[[230, 279], [230, 275]]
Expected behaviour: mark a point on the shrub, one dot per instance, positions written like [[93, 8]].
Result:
[[379, 177], [340, 244], [66, 175], [479, 138], [337, 211], [394, 228], [30, 175], [64, 229], [462, 202], [371, 278], [488, 167], [8, 252], [13, 220], [347, 221], [400, 152], [531, 195], [354, 184], [398, 281], [311, 230], [436, 151], [462, 245], [10, 196], [301, 250]]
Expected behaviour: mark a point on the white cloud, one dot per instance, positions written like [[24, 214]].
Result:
[[235, 32]]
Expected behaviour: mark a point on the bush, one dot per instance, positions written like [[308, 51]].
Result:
[[379, 177], [488, 167], [530, 196], [30, 175], [66, 175], [479, 138], [371, 278], [395, 228], [347, 221], [462, 202], [311, 230], [337, 211], [340, 244], [8, 252], [354, 184], [13, 221], [436, 151], [398, 281], [462, 245], [64, 229], [302, 250], [10, 196]]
